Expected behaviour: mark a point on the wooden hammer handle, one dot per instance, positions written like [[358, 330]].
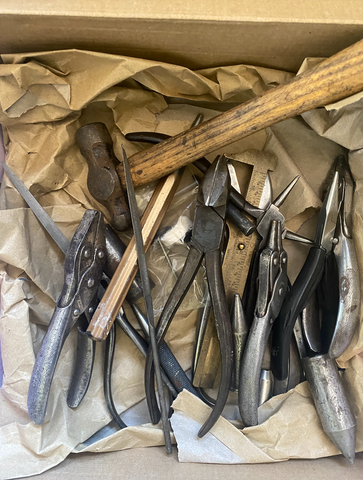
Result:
[[335, 78]]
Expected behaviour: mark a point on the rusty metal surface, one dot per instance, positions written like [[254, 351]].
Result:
[[103, 182]]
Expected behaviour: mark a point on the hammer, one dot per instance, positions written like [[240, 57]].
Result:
[[335, 78]]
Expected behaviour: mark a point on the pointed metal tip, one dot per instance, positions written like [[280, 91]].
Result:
[[344, 440], [285, 193], [328, 215], [238, 319], [215, 184], [297, 238]]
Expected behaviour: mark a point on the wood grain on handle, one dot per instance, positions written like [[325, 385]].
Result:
[[335, 78], [115, 294]]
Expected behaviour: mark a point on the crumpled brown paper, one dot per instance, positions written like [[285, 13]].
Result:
[[44, 99]]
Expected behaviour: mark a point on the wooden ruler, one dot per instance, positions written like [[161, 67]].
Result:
[[236, 264], [238, 255]]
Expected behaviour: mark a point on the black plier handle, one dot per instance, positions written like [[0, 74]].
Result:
[[307, 281], [207, 236]]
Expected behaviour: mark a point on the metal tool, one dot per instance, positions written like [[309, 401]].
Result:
[[104, 185], [236, 262], [174, 370], [83, 267], [338, 332], [116, 292], [319, 258], [207, 236], [266, 386], [115, 249], [263, 225], [107, 377], [148, 299], [202, 327], [239, 251], [331, 403], [329, 395], [310, 318], [83, 364], [237, 205], [143, 346], [333, 79], [272, 279], [240, 331], [38, 210]]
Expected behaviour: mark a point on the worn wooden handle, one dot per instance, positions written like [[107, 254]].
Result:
[[115, 294], [335, 78]]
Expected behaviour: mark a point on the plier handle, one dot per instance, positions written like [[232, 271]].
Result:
[[272, 288], [83, 267], [308, 279], [206, 241]]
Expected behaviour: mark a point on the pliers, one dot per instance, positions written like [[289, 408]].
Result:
[[206, 242], [237, 206], [332, 244], [84, 262], [272, 287]]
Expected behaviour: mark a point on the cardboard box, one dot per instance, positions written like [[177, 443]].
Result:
[[196, 35]]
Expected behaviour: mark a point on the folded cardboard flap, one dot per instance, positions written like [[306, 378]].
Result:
[[194, 34]]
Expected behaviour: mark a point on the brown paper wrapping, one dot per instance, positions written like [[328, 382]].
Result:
[[44, 99]]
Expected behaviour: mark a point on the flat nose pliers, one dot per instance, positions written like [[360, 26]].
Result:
[[206, 241]]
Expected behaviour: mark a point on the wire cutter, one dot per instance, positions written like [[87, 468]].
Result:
[[332, 244], [207, 237], [84, 262], [272, 287]]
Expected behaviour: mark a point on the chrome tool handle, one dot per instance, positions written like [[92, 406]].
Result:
[[349, 296], [251, 365], [46, 361]]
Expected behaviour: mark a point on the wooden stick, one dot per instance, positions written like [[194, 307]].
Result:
[[335, 78], [115, 294]]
